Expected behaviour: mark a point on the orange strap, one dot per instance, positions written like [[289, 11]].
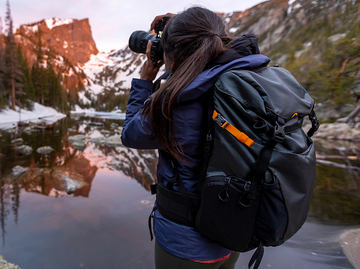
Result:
[[242, 137]]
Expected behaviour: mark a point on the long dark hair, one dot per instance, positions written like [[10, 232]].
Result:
[[191, 40]]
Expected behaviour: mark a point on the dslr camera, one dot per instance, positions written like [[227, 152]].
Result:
[[139, 39]]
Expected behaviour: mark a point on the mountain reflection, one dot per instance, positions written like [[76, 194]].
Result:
[[67, 171]]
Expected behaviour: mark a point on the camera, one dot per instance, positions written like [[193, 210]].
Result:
[[139, 39]]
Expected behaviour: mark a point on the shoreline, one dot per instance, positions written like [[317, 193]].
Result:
[[6, 265], [350, 243], [10, 118]]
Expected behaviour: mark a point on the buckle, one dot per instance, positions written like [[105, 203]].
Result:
[[220, 120], [279, 133]]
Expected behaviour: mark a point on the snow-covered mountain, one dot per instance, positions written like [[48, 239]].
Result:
[[113, 70], [294, 33], [68, 45]]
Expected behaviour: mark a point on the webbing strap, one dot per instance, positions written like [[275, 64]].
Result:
[[314, 123], [257, 257], [242, 137]]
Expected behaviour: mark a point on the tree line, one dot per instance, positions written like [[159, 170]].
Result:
[[22, 84]]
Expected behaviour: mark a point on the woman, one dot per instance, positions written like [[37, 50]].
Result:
[[173, 118]]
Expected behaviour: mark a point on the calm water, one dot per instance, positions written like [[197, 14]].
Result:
[[46, 222]]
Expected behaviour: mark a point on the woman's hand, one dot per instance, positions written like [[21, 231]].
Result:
[[149, 69], [159, 18]]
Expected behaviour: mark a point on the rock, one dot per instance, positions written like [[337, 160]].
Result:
[[6, 265], [338, 131], [350, 243], [114, 140], [98, 140], [18, 170], [24, 149], [38, 127], [77, 141], [45, 150], [97, 124], [326, 112], [27, 130], [114, 125], [71, 185], [11, 131], [17, 141], [105, 132]]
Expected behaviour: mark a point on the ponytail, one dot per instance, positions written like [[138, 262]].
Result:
[[191, 40]]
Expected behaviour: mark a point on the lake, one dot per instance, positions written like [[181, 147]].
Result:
[[86, 205]]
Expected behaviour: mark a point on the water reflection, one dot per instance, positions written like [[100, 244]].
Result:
[[67, 171], [337, 192]]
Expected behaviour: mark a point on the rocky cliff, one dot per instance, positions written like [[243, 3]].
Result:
[[65, 43]]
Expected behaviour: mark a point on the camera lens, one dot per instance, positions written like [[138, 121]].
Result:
[[138, 41]]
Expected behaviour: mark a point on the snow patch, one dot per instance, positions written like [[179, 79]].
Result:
[[291, 2], [33, 28], [54, 22], [9, 118], [306, 46], [293, 6], [336, 37], [298, 5], [233, 30], [91, 112], [84, 100]]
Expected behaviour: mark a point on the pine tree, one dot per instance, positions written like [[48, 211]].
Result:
[[2, 69], [39, 74], [14, 76], [28, 86]]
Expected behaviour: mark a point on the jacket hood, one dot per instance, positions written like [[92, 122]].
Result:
[[206, 79]]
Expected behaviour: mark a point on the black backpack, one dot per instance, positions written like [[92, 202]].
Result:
[[259, 164]]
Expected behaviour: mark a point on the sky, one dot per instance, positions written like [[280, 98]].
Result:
[[112, 21]]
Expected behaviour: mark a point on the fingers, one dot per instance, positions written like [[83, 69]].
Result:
[[159, 18]]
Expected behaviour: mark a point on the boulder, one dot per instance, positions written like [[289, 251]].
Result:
[[44, 150], [77, 141], [114, 140], [111, 141], [350, 243], [17, 141], [338, 131], [24, 149], [114, 125], [27, 130], [18, 170], [98, 140]]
